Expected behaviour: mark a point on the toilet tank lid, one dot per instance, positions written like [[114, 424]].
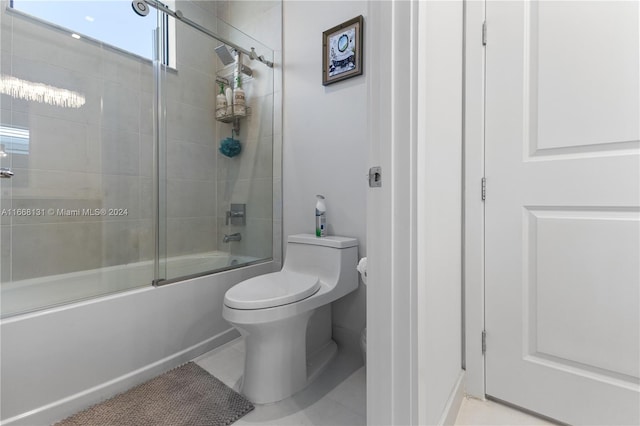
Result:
[[328, 241]]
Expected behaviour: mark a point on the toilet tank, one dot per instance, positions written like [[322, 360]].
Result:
[[331, 258]]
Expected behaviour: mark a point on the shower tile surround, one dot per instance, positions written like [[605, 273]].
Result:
[[257, 19], [102, 158], [78, 158]]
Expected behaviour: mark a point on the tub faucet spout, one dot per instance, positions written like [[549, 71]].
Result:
[[232, 237]]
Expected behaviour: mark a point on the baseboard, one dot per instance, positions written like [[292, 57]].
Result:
[[454, 402], [63, 408]]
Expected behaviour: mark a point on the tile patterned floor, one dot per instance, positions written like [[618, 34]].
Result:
[[338, 397], [480, 413]]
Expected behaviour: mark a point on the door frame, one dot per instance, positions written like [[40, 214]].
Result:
[[395, 384], [392, 385], [392, 393], [383, 404], [473, 208]]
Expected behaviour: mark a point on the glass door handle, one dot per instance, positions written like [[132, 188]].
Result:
[[5, 173]]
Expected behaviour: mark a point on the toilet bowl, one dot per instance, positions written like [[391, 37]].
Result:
[[285, 317]]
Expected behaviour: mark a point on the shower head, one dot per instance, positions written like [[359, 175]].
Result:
[[225, 56], [140, 7]]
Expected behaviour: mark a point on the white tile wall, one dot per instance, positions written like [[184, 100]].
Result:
[[263, 139], [100, 155]]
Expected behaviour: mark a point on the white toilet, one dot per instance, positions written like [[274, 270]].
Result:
[[285, 317]]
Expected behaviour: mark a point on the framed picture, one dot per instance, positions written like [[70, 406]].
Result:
[[342, 51]]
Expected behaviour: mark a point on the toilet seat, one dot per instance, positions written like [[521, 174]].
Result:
[[271, 290]]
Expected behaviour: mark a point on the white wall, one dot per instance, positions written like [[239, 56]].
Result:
[[439, 207], [325, 141]]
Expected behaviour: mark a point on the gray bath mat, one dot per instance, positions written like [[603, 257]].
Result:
[[187, 395]]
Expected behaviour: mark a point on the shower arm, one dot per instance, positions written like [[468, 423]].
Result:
[[180, 17]]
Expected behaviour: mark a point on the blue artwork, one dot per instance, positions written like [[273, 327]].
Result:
[[342, 53]]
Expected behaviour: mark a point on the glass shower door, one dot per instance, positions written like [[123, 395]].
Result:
[[218, 209], [77, 134], [112, 177]]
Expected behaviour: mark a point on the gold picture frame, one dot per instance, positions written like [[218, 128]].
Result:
[[342, 51]]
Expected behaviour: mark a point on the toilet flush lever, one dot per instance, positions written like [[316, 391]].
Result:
[[375, 177]]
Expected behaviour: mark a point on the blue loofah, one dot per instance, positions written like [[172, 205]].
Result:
[[230, 147]]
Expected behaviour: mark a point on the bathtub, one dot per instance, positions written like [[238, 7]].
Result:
[[31, 294], [57, 361]]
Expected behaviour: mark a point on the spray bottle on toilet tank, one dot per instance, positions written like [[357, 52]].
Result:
[[321, 217]]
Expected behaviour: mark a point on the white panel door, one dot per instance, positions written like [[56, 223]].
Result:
[[562, 209]]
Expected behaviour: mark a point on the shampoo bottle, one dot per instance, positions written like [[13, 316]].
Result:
[[229, 96], [221, 103], [321, 217], [239, 102]]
